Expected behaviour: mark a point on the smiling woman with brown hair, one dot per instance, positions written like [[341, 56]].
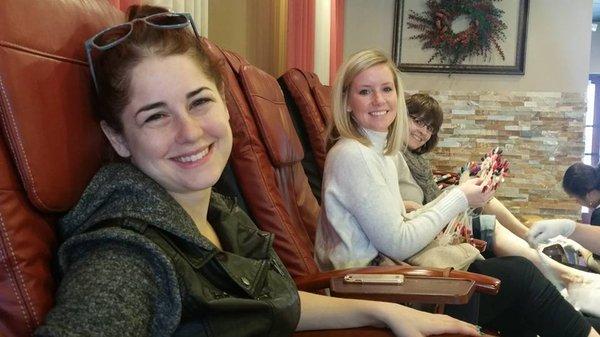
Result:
[[508, 236]]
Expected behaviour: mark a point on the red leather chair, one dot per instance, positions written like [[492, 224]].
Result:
[[313, 102], [50, 145], [309, 105], [266, 160]]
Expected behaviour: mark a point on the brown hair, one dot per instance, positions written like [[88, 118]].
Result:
[[425, 108], [113, 67]]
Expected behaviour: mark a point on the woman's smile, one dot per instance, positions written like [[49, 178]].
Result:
[[194, 158]]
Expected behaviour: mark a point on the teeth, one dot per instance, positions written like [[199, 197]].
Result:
[[378, 113], [194, 157]]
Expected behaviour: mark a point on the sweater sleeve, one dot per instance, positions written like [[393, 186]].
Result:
[[361, 188], [111, 289]]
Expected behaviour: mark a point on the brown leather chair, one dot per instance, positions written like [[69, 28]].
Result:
[[312, 99], [266, 160], [50, 145], [309, 105]]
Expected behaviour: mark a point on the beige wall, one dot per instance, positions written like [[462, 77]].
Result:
[[368, 24], [557, 55], [227, 22], [251, 28], [595, 54]]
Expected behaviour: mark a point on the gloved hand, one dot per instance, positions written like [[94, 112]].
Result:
[[543, 230]]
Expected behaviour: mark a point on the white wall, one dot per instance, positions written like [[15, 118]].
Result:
[[557, 54], [322, 39]]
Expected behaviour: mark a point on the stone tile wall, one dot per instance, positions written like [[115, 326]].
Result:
[[541, 133]]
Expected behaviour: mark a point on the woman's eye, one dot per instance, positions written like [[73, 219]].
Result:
[[199, 101], [363, 92], [155, 117], [388, 89]]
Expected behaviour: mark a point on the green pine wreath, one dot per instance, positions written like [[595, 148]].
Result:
[[485, 30]]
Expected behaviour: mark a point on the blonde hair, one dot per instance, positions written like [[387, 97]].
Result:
[[343, 125]]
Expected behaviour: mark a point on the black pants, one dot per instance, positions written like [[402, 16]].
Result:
[[527, 303]]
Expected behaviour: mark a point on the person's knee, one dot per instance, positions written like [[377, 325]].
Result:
[[520, 263], [512, 271]]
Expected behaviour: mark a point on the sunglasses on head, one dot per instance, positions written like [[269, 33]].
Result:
[[115, 35]]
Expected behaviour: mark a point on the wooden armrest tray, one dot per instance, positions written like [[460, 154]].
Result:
[[414, 289]]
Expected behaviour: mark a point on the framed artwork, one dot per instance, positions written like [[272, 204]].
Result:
[[461, 36]]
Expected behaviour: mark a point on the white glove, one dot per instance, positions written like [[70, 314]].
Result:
[[543, 230]]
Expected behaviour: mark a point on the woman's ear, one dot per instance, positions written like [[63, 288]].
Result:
[[116, 140]]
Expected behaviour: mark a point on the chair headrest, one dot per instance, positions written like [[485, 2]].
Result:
[[272, 118], [322, 95], [45, 109], [307, 88]]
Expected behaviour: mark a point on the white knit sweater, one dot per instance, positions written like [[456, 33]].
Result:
[[362, 210]]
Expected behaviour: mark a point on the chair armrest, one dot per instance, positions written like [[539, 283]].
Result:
[[315, 282], [414, 289], [358, 332]]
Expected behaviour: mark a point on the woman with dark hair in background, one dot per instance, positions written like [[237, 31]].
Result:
[[507, 236], [426, 118]]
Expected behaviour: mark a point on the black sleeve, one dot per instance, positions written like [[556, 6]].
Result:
[[595, 220]]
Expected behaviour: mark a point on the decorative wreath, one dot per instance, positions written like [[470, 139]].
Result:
[[485, 29]]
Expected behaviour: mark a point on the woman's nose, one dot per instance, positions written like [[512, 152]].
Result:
[[188, 130], [420, 131], [378, 98]]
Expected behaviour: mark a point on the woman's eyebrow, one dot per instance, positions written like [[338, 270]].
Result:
[[195, 92], [150, 107]]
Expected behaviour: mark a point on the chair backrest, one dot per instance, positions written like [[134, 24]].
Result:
[[309, 104], [312, 100], [50, 144], [266, 160]]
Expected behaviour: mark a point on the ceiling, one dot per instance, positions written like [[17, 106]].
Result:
[[596, 9]]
